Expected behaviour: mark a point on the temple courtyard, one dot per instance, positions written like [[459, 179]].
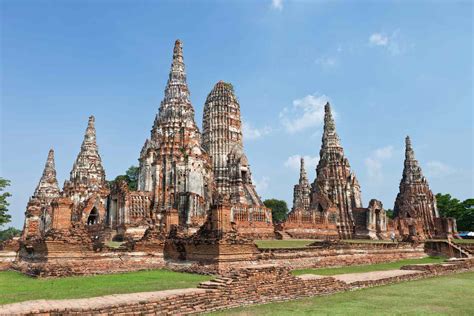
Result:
[[444, 295]]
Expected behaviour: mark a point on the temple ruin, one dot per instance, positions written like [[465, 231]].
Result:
[[196, 202], [223, 140], [416, 215], [332, 207]]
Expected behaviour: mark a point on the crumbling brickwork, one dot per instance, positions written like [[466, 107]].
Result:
[[332, 207], [39, 211], [416, 215], [223, 140], [173, 164]]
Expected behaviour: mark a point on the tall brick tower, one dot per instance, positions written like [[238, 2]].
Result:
[[334, 178], [38, 210], [223, 140], [302, 191], [415, 199], [173, 164], [86, 186]]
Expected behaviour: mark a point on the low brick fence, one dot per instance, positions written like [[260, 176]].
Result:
[[340, 254], [252, 285]]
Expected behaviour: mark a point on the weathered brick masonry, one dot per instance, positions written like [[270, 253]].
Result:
[[253, 285]]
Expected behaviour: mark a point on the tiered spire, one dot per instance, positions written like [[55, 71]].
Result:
[[303, 176], [412, 171], [302, 190], [48, 185], [415, 199], [335, 180], [330, 137], [88, 167], [176, 105]]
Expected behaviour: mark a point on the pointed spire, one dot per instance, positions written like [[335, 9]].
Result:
[[303, 176], [176, 105], [88, 166], [412, 171], [409, 153], [176, 87], [177, 73], [48, 185], [330, 137], [89, 137]]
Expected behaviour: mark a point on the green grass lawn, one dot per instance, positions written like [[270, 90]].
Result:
[[446, 295], [463, 241], [286, 243], [114, 244], [369, 267], [16, 287]]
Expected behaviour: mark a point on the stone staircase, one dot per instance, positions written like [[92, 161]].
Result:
[[215, 284], [446, 248], [282, 235], [463, 253]]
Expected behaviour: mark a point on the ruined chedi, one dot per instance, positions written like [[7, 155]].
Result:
[[38, 210], [302, 191], [223, 140], [334, 178], [415, 199], [87, 187], [172, 163]]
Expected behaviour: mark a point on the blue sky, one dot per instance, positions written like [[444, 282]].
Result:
[[388, 68]]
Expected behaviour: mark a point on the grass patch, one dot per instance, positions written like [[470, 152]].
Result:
[[114, 244], [368, 268], [445, 295], [16, 287], [285, 243], [463, 241]]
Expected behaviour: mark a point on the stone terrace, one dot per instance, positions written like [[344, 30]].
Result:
[[253, 285]]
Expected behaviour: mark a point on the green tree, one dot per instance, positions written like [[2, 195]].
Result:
[[4, 216], [389, 213], [9, 233], [132, 174], [130, 177], [279, 209], [463, 211]]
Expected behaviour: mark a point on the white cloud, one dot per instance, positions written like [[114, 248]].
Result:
[[306, 112], [378, 39], [293, 162], [277, 4], [374, 162], [250, 133], [261, 185], [327, 62], [393, 43], [437, 169]]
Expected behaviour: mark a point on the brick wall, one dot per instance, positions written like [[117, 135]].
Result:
[[251, 285]]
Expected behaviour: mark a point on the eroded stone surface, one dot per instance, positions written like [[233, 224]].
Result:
[[416, 215]]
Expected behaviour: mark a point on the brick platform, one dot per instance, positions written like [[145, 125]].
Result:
[[252, 285]]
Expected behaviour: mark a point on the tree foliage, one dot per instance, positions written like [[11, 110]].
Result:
[[463, 211], [130, 177], [9, 233], [279, 209], [4, 216], [389, 213]]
